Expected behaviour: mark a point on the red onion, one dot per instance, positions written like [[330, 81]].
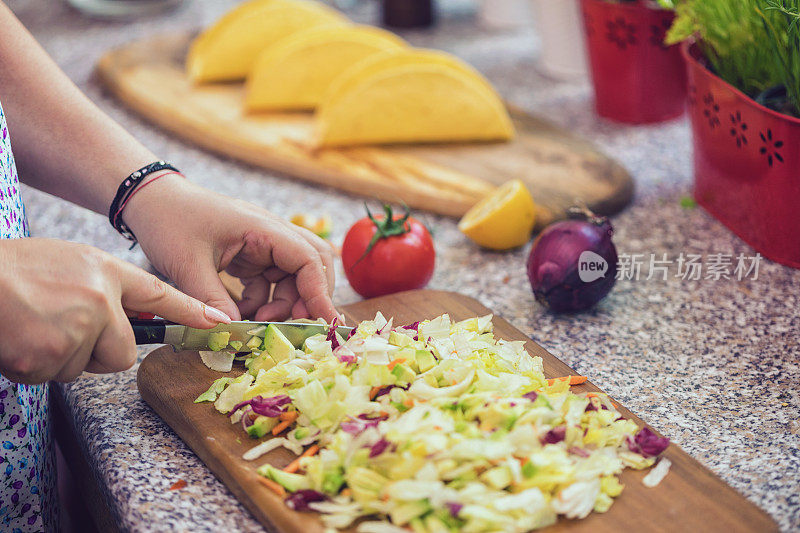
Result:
[[573, 263]]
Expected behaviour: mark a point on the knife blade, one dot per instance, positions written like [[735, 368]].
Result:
[[185, 338]]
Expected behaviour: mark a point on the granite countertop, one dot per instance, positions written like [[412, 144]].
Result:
[[714, 365]]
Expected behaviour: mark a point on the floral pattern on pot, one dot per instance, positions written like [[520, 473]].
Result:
[[738, 129], [621, 33], [711, 111], [770, 147]]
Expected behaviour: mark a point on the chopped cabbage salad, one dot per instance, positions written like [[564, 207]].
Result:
[[434, 427]]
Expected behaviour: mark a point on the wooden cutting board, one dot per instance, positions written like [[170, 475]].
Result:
[[690, 498], [148, 76]]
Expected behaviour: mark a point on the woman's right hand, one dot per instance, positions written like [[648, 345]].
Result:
[[63, 310]]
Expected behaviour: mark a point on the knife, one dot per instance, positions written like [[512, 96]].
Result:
[[185, 338]]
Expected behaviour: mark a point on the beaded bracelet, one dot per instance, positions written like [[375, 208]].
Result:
[[127, 189]]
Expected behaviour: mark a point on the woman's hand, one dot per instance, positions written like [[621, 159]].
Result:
[[64, 307], [191, 235]]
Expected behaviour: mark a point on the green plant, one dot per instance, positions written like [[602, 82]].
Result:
[[752, 44]]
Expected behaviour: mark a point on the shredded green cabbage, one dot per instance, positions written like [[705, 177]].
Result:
[[442, 427]]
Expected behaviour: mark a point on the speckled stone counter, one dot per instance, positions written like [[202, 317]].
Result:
[[714, 365]]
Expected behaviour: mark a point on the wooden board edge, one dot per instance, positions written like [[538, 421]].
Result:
[[259, 505]]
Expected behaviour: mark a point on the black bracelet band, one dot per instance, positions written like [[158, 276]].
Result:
[[124, 192]]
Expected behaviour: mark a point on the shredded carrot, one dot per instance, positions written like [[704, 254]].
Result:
[[592, 395], [398, 361], [523, 460], [280, 427], [374, 392], [178, 485], [437, 428], [291, 416], [271, 485], [409, 403], [346, 492], [295, 465], [573, 380]]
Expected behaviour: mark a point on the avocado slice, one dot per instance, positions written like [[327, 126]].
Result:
[[218, 340], [277, 345], [403, 373], [291, 482], [261, 426], [425, 360]]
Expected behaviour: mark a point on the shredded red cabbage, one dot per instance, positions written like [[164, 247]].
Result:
[[555, 435], [264, 406], [387, 388], [350, 335], [578, 451], [648, 443], [348, 359], [300, 499], [332, 335], [454, 508], [246, 420], [355, 426], [413, 327], [532, 395], [378, 448]]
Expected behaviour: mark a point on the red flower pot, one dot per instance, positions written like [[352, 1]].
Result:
[[637, 79], [746, 163]]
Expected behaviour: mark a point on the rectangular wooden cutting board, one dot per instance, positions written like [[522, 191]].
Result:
[[558, 168], [690, 498]]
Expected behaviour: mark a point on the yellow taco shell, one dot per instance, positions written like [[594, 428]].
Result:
[[226, 51], [295, 72], [411, 96]]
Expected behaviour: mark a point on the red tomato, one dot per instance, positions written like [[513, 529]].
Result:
[[387, 254]]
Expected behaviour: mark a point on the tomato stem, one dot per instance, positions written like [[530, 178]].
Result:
[[388, 227]]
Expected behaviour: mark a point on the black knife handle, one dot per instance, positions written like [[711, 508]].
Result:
[[149, 331]]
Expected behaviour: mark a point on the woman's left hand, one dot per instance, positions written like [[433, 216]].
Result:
[[191, 234]]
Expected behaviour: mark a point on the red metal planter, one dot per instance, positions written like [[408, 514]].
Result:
[[746, 163], [637, 79]]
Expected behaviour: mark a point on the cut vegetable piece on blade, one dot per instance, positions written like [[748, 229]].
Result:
[[503, 220], [219, 340], [277, 345], [411, 96], [226, 51], [295, 73], [218, 361]]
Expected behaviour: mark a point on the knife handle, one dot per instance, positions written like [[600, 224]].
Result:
[[149, 331]]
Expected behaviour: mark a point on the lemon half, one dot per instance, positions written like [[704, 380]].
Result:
[[503, 220]]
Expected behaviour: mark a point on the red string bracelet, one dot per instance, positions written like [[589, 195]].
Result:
[[142, 186]]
